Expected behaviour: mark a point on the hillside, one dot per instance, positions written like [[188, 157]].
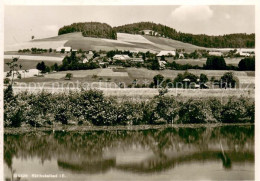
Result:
[[226, 41], [124, 42], [103, 30]]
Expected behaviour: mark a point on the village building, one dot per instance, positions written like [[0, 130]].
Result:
[[215, 53], [90, 52], [137, 60], [85, 60], [162, 64], [245, 52], [123, 58], [181, 56], [166, 53], [149, 32], [66, 49]]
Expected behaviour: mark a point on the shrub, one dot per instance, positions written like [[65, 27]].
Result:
[[203, 78], [195, 111], [237, 110], [96, 109], [158, 79], [216, 108], [92, 108], [166, 108], [61, 114], [68, 76], [229, 79], [129, 113], [6, 81]]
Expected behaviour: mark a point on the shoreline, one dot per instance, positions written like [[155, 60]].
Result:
[[72, 128]]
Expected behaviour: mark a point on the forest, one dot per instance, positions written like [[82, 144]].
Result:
[[90, 29]]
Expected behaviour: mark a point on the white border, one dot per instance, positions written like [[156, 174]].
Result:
[[135, 2], [130, 2]]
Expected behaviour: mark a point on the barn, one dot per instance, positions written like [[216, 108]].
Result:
[[166, 53], [121, 57], [66, 49], [215, 53]]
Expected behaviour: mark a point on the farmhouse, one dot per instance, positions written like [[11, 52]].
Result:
[[66, 49], [245, 52], [85, 60], [149, 32], [181, 56], [166, 53], [215, 53], [162, 64], [121, 57]]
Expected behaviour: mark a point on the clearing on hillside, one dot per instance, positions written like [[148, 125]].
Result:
[[125, 42]]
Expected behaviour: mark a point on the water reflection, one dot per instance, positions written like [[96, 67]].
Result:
[[133, 152]]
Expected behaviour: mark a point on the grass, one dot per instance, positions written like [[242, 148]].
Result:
[[169, 44], [29, 64], [124, 42], [52, 54], [202, 61], [39, 44], [75, 128], [127, 75]]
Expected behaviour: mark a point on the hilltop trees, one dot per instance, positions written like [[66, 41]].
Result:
[[215, 63], [91, 29], [103, 30]]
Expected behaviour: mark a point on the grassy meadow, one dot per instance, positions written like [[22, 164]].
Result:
[[128, 75], [124, 42]]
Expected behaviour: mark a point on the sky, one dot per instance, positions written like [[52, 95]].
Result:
[[22, 22]]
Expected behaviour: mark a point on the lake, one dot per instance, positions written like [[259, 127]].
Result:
[[167, 153]]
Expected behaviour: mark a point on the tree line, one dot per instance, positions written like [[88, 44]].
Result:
[[103, 30], [239, 40], [91, 29]]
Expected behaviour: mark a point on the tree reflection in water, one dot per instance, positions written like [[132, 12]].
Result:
[[85, 152]]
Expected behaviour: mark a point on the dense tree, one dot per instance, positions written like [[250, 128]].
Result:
[[215, 63], [203, 78], [247, 64], [157, 80], [154, 65], [55, 67], [41, 66], [90, 29], [228, 80], [68, 76], [179, 80]]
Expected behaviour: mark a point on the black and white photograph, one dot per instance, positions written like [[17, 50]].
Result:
[[129, 92]]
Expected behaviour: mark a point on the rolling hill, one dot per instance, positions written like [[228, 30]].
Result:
[[124, 42]]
